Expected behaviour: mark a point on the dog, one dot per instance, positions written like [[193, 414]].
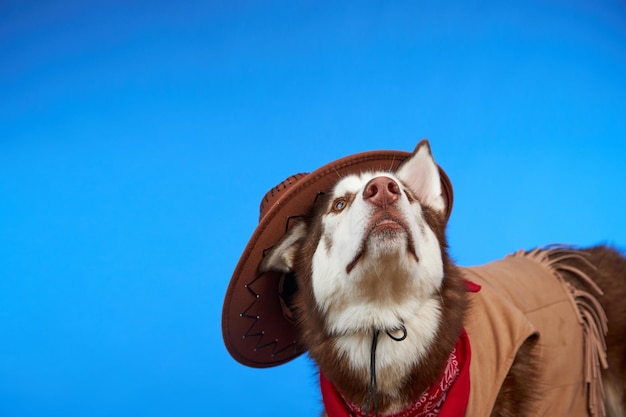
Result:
[[397, 329]]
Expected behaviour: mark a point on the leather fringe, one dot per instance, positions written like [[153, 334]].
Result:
[[591, 315]]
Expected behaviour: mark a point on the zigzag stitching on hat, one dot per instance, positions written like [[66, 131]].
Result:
[[260, 335]]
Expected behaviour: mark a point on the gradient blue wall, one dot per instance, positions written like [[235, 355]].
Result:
[[137, 138]]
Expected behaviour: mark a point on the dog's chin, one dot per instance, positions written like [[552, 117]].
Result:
[[387, 231], [386, 243], [389, 237]]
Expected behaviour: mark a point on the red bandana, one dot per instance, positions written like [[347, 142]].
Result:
[[447, 397]]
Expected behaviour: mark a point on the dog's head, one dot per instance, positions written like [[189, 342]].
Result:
[[369, 254]]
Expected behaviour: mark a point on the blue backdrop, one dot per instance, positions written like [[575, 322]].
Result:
[[138, 137]]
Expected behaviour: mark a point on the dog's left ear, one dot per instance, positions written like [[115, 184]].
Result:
[[282, 256], [421, 174]]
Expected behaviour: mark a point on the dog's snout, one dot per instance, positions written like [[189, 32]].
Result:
[[381, 191]]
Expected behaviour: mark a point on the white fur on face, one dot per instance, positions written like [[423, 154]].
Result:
[[336, 290]]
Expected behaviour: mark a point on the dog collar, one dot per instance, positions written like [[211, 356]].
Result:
[[447, 397]]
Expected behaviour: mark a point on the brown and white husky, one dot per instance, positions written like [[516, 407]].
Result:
[[381, 309]]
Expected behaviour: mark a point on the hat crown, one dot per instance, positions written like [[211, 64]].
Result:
[[275, 193]]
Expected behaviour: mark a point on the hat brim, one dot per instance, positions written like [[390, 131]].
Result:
[[255, 330]]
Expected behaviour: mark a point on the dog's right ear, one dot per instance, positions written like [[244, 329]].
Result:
[[282, 255], [421, 174]]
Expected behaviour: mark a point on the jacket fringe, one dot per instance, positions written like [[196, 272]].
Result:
[[591, 315]]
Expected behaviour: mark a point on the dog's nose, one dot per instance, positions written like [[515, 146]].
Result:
[[381, 191]]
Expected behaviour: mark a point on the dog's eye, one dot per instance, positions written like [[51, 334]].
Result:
[[339, 204]]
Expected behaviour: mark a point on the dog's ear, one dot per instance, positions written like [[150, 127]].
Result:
[[421, 174], [282, 255]]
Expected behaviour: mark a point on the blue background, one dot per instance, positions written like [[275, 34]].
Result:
[[138, 137]]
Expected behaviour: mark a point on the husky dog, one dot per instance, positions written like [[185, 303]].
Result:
[[396, 328]]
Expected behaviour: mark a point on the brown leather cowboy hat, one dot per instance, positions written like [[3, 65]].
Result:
[[256, 321]]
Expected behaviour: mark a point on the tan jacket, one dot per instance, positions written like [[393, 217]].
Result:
[[524, 296]]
